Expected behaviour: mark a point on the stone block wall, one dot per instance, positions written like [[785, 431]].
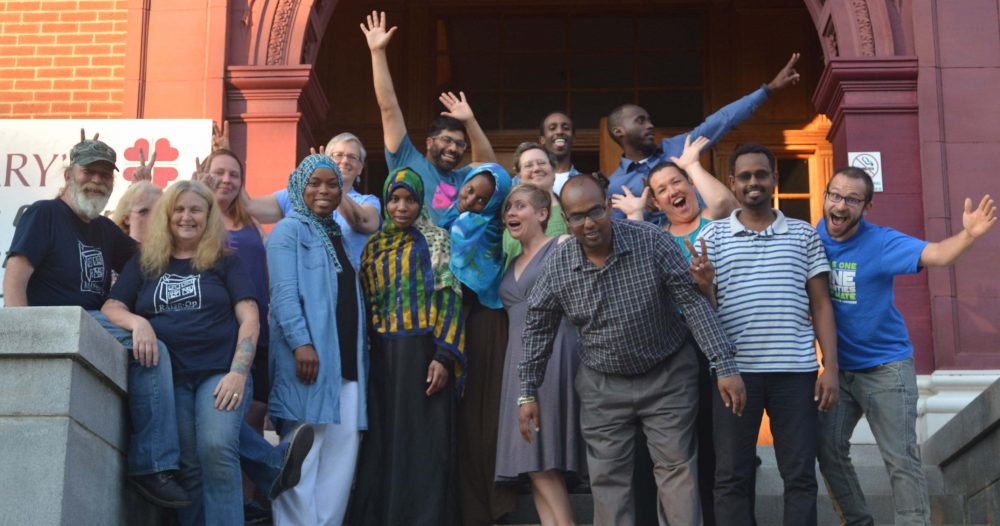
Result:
[[62, 59]]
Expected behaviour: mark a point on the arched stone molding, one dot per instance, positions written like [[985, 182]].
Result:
[[860, 28], [278, 32]]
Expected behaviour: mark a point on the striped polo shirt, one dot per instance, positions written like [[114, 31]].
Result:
[[761, 279]]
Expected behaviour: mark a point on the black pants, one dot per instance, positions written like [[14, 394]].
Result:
[[788, 398]]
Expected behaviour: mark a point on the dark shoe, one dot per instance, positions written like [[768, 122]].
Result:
[[291, 467], [161, 489], [254, 513]]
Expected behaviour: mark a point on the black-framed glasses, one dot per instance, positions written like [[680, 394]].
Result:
[[448, 141], [340, 156], [760, 175], [595, 214], [852, 202]]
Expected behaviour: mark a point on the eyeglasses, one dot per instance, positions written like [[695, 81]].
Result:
[[541, 163], [448, 141], [760, 175], [340, 156], [595, 214], [852, 202]]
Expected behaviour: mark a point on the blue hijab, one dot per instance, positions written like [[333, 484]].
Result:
[[296, 187], [476, 239]]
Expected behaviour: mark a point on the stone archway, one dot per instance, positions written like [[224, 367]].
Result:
[[868, 85]]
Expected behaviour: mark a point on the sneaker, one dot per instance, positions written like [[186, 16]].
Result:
[[161, 489], [291, 467]]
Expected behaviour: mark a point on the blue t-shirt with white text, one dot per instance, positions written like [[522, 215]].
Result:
[[191, 312], [870, 329], [72, 259]]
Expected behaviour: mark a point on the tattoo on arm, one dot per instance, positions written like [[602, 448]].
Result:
[[244, 357]]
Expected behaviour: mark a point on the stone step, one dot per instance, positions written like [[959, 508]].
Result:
[[867, 460]]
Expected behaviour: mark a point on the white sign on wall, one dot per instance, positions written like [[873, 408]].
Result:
[[870, 162], [34, 154]]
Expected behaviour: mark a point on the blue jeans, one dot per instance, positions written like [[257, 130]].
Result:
[[887, 395], [210, 458], [788, 399], [152, 446], [259, 459]]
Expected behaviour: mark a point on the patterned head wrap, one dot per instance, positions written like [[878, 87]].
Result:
[[476, 239], [297, 182]]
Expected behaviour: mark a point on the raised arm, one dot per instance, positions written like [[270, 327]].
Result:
[[458, 108], [265, 209], [378, 37], [15, 281], [818, 289], [719, 200], [975, 223], [361, 218]]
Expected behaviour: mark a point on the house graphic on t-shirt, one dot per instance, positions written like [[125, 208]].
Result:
[[91, 269], [177, 293]]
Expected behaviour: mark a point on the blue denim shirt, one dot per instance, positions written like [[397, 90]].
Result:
[[303, 311], [632, 173]]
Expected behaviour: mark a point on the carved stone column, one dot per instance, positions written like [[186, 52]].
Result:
[[872, 105], [272, 110]]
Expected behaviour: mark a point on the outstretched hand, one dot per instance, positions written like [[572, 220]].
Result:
[[979, 221], [630, 204], [787, 76], [691, 153], [201, 175], [458, 108], [220, 136], [145, 171], [375, 31], [701, 268]]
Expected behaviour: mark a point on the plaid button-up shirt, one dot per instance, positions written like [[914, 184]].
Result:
[[626, 311]]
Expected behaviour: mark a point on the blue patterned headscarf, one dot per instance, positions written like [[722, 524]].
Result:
[[476, 239], [296, 187]]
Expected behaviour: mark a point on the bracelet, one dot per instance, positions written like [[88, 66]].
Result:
[[526, 400]]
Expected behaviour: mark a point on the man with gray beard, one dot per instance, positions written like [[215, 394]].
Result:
[[62, 254]]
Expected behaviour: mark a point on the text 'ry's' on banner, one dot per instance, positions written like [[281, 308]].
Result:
[[35, 153]]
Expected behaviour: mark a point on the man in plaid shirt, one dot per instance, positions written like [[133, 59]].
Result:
[[621, 284]]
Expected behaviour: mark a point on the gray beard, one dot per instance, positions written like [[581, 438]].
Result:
[[88, 207]]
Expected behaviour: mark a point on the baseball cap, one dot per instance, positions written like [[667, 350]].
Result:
[[92, 151]]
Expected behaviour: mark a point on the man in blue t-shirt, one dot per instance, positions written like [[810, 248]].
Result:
[[63, 253], [631, 127], [877, 375], [447, 137]]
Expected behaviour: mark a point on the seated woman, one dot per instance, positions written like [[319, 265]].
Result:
[[557, 451], [318, 358], [132, 212], [476, 232], [187, 290], [535, 165], [407, 473]]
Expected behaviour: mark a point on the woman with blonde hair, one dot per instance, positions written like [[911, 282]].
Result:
[[187, 289], [132, 212]]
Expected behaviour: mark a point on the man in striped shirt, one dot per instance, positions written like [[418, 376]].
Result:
[[771, 276]]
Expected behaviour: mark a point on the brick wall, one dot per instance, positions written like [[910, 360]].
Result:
[[62, 59]]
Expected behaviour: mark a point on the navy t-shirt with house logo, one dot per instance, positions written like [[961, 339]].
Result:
[[72, 259], [191, 312]]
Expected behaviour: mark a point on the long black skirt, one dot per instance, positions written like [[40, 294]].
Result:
[[406, 470]]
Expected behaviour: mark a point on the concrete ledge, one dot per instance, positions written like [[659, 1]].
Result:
[[971, 425], [62, 332]]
